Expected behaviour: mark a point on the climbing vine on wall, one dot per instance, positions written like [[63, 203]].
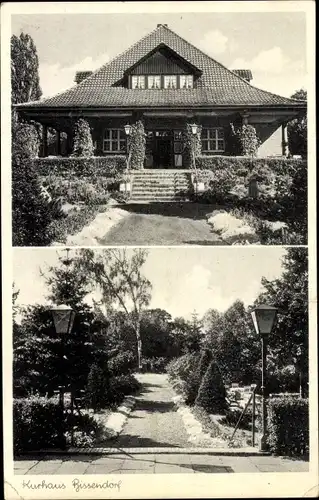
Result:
[[83, 144], [243, 140], [192, 144], [137, 145]]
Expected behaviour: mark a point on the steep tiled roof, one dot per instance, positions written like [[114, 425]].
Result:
[[217, 85], [244, 73]]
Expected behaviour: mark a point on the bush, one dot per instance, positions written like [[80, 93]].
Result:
[[37, 424], [85, 190], [288, 426], [97, 389], [212, 393], [246, 139], [121, 386], [122, 363], [297, 136], [111, 167], [232, 416], [137, 146], [182, 373], [83, 144], [154, 365]]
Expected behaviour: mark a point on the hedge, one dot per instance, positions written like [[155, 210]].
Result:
[[94, 166], [288, 426], [36, 425]]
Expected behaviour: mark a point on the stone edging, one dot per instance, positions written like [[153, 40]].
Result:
[[238, 452]]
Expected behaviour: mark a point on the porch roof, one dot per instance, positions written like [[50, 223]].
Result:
[[217, 85]]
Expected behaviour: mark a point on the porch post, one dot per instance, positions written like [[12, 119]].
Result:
[[44, 140], [245, 118], [284, 142], [58, 142]]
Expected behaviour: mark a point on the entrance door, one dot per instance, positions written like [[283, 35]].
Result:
[[162, 157]]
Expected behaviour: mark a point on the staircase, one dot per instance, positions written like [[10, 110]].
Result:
[[160, 185]]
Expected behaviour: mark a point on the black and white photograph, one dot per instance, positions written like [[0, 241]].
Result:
[[159, 250], [178, 133]]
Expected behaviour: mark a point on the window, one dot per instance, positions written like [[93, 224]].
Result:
[[213, 139], [186, 81], [154, 82], [138, 82], [114, 141], [170, 82]]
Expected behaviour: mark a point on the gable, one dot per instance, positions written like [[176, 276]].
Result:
[[162, 62]]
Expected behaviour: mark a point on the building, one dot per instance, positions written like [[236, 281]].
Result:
[[166, 82]]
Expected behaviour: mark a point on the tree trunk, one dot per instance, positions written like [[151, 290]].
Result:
[[139, 346]]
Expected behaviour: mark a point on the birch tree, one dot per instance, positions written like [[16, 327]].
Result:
[[123, 286]]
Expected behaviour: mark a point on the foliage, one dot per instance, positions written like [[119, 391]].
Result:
[[246, 139], [32, 212], [297, 129], [212, 393], [72, 168], [74, 222], [154, 365], [122, 386], [288, 426], [191, 144], [37, 424], [121, 281], [137, 145], [232, 416], [199, 372], [97, 388], [85, 190], [183, 375], [25, 84], [82, 143], [122, 363]]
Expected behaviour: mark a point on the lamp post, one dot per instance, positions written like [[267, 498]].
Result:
[[128, 132], [63, 318], [264, 317]]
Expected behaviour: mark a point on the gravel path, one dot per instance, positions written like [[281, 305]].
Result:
[[163, 224], [154, 422]]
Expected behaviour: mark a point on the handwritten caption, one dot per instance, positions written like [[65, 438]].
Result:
[[77, 484]]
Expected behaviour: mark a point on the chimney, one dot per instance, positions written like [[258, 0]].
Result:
[[81, 75], [246, 74], [165, 25]]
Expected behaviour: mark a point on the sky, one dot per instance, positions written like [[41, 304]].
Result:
[[184, 279], [272, 45]]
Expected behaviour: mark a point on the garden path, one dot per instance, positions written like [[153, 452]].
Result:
[[163, 224], [154, 421]]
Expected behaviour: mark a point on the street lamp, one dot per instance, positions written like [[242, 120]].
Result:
[[128, 132], [194, 128], [264, 317], [63, 318]]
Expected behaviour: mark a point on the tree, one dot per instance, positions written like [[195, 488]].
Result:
[[25, 82], [122, 284], [212, 392], [297, 129], [83, 144], [288, 343], [32, 212]]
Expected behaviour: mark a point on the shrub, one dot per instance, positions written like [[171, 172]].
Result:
[[231, 418], [79, 190], [205, 359], [137, 146], [297, 136], [97, 388], [246, 140], [182, 373], [37, 424], [121, 386], [122, 363], [288, 426], [154, 365], [82, 144], [212, 393], [192, 145], [109, 167]]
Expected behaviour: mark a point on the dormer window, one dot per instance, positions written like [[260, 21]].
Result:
[[170, 82], [154, 82], [186, 81], [138, 82]]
